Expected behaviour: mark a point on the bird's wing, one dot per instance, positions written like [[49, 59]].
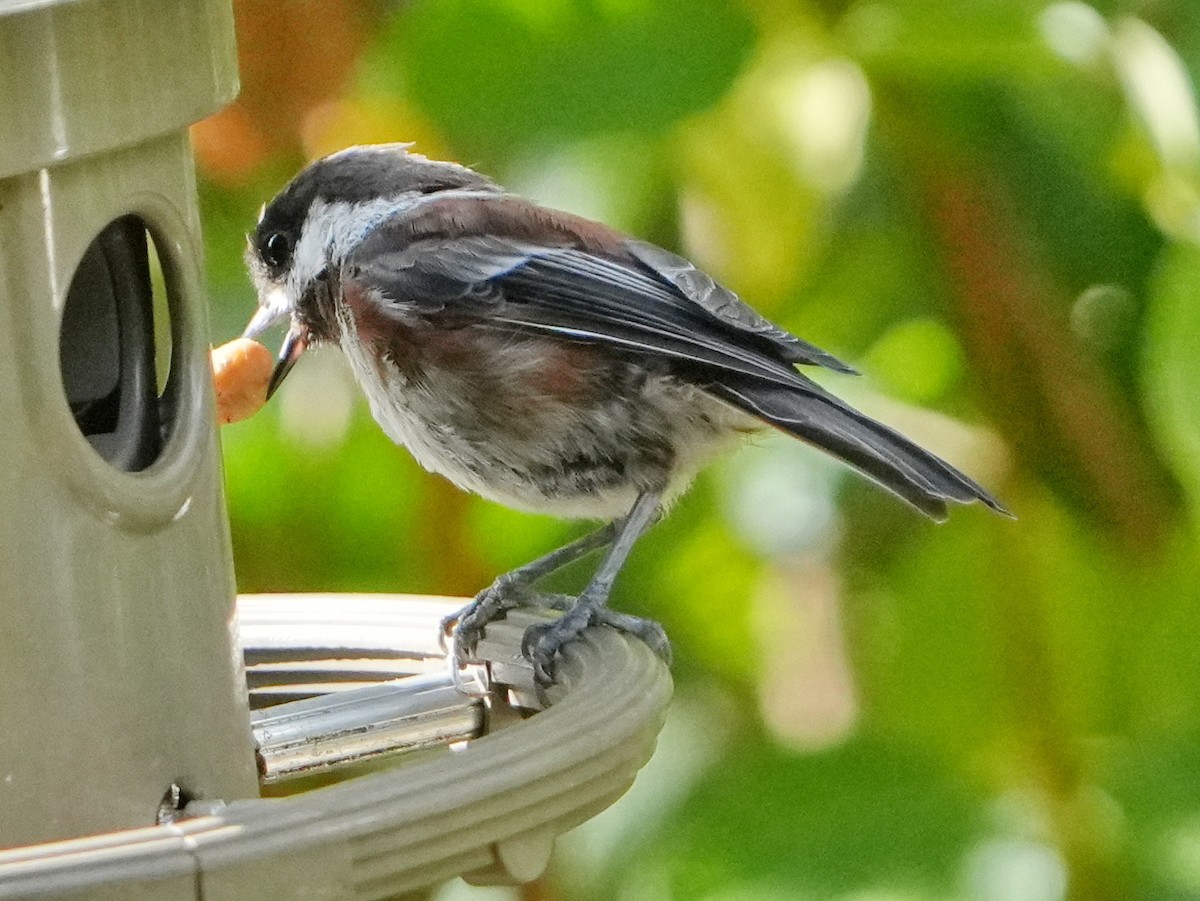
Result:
[[701, 288], [573, 293]]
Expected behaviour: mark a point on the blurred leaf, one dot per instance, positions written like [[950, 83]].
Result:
[[1158, 788], [761, 170], [509, 538], [306, 522], [918, 360], [926, 622], [370, 119], [765, 820], [1039, 626], [624, 184], [914, 39], [874, 271], [493, 73], [1172, 365]]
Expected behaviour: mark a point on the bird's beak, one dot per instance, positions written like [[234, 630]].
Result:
[[294, 343], [265, 317]]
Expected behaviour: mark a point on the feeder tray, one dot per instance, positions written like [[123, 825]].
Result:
[[368, 681]]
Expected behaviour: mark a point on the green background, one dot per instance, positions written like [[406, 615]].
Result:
[[991, 208]]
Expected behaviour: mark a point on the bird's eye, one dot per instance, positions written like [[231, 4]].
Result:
[[276, 249]]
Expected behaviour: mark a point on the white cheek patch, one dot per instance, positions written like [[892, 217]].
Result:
[[332, 230], [275, 300]]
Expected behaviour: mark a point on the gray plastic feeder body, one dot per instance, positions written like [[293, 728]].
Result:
[[130, 758], [118, 664]]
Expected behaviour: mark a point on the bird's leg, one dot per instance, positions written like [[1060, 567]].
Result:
[[542, 642], [512, 588]]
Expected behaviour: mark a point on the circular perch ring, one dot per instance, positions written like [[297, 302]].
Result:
[[488, 811]]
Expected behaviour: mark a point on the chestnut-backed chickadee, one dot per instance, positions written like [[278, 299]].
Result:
[[546, 361]]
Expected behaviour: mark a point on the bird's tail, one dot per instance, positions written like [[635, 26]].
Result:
[[880, 453]]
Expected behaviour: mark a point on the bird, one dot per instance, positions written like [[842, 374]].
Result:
[[547, 362]]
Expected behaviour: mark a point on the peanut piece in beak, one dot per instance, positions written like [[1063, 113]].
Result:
[[241, 371]]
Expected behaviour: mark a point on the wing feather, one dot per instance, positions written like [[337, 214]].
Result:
[[701, 288], [565, 291]]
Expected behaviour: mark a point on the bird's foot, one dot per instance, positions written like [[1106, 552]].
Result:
[[465, 628], [542, 642]]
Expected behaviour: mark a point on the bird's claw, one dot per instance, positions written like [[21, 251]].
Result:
[[542, 642], [464, 629], [651, 633]]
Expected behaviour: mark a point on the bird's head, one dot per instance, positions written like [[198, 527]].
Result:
[[313, 226]]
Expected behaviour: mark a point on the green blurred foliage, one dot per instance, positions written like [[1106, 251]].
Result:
[[493, 74], [993, 208]]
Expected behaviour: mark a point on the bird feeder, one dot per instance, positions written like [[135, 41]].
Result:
[[158, 735]]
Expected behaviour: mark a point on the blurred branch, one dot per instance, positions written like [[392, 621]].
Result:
[[1057, 405]]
